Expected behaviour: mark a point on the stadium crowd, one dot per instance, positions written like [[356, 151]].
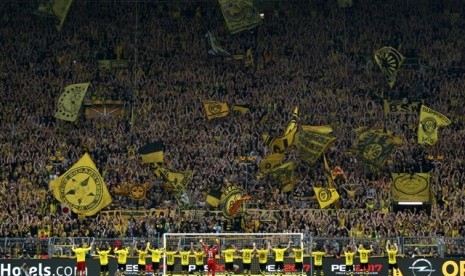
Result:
[[309, 54]]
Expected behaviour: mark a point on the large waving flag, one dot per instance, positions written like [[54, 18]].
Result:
[[310, 144], [174, 180], [284, 174], [214, 109], [326, 196], [430, 121], [240, 15], [152, 152], [82, 188], [389, 60], [374, 147], [281, 143], [70, 101], [214, 48]]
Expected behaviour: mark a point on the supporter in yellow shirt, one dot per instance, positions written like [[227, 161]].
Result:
[[81, 258], [229, 259], [103, 254], [364, 255], [199, 256], [279, 256], [122, 258], [392, 250], [156, 257], [318, 255], [298, 253], [247, 258], [142, 252], [349, 254]]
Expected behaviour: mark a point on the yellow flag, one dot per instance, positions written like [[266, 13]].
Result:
[[174, 180], [270, 161], [240, 15], [389, 61], [60, 9], [411, 187], [82, 188], [430, 121], [325, 196], [70, 101], [215, 109], [280, 143]]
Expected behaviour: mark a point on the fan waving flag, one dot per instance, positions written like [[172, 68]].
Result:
[[82, 188], [430, 121], [326, 196], [389, 60], [240, 15], [214, 109]]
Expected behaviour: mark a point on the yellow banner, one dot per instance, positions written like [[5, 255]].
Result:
[[325, 196], [410, 187], [215, 109], [374, 147], [60, 9], [240, 15], [82, 188], [401, 107], [326, 129], [281, 143], [70, 101], [430, 121]]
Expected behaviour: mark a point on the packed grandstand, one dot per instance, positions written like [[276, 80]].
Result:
[[310, 56]]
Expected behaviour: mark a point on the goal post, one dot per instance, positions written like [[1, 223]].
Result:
[[178, 242]]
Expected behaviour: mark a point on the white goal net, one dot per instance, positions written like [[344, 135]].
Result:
[[183, 242]]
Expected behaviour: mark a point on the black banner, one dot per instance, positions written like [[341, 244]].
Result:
[[331, 266]]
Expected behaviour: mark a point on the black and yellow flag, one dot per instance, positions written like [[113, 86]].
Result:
[[82, 188], [270, 162], [430, 121], [138, 191], [213, 198], [374, 147], [389, 60], [409, 187], [281, 143], [310, 145], [215, 109], [152, 153], [326, 196], [325, 129], [240, 15], [242, 108], [174, 180], [284, 174], [70, 101], [232, 201], [214, 48]]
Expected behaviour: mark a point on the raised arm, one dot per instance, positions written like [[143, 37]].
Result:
[[288, 245]]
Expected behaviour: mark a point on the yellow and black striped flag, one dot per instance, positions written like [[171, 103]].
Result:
[[240, 15], [152, 152], [70, 101], [82, 188], [284, 174], [389, 60], [214, 109], [213, 198], [280, 143], [430, 122], [174, 180], [325, 196], [270, 162]]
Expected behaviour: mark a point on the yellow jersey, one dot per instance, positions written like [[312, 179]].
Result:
[[156, 255], [229, 255], [103, 256], [262, 256], [349, 258], [81, 253], [392, 256], [298, 255], [364, 255], [170, 257], [185, 257], [199, 255], [279, 254], [247, 256], [122, 255], [142, 255], [318, 257]]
